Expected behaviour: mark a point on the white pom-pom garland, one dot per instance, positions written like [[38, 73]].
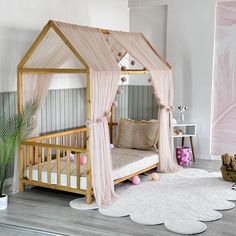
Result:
[[123, 79], [119, 91], [115, 104]]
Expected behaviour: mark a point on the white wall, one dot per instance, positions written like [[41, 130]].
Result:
[[152, 22], [189, 48], [21, 21]]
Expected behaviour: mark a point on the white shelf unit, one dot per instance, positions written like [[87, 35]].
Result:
[[188, 129]]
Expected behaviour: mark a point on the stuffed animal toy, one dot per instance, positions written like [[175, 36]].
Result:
[[178, 132], [233, 165], [228, 162]]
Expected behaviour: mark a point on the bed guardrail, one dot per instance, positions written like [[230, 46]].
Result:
[[38, 152]]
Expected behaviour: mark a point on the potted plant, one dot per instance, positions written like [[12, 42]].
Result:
[[13, 131]]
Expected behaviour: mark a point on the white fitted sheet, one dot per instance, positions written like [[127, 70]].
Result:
[[125, 162]]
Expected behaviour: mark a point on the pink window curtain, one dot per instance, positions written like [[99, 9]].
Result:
[[104, 79], [51, 53], [162, 83]]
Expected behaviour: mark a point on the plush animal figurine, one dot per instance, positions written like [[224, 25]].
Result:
[[135, 180], [178, 132], [155, 177], [226, 161], [233, 165]]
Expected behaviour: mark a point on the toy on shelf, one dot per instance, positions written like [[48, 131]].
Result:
[[179, 132]]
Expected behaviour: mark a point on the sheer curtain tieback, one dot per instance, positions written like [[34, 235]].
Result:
[[107, 115]]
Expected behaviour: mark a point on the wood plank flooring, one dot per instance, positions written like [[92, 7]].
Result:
[[49, 212]]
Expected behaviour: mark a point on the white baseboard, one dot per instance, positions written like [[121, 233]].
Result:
[[208, 157], [8, 181]]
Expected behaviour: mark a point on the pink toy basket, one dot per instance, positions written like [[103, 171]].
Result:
[[184, 156]]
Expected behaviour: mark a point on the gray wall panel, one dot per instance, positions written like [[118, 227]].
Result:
[[141, 103]]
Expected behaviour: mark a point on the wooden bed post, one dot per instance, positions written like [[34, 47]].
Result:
[[19, 109], [88, 166]]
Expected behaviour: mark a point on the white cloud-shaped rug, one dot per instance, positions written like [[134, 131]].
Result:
[[181, 201]]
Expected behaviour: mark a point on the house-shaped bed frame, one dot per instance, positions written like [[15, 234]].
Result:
[[38, 150]]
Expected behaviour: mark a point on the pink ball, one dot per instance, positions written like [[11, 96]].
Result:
[[83, 160], [135, 180]]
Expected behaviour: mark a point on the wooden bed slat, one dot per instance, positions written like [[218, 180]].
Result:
[[69, 135], [53, 186], [117, 181], [68, 168], [58, 163], [58, 168], [21, 167], [39, 165], [30, 162], [82, 140], [76, 140], [78, 170], [59, 134], [43, 153], [49, 158]]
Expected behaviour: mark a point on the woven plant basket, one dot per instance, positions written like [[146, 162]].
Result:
[[227, 174]]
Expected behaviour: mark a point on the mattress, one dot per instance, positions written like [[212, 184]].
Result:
[[124, 162]]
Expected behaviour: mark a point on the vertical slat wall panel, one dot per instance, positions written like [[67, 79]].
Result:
[[141, 103], [65, 109], [8, 106], [122, 109]]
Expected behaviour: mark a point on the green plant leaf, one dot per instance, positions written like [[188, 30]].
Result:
[[14, 130]]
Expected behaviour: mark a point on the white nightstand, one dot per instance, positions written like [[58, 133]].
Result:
[[188, 130]]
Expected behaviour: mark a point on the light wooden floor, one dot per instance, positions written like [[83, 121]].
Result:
[[49, 212]]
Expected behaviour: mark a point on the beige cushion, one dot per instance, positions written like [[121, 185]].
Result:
[[141, 135]]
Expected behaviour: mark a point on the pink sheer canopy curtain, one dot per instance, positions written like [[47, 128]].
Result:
[[162, 83], [104, 81], [51, 53]]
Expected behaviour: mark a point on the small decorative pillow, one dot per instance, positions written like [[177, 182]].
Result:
[[141, 135]]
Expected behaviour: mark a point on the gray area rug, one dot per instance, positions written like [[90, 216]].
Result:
[[181, 201]]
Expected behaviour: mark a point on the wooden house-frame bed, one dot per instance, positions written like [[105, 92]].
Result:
[[38, 152]]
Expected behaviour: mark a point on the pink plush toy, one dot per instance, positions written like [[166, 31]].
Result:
[[135, 180], [83, 160]]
